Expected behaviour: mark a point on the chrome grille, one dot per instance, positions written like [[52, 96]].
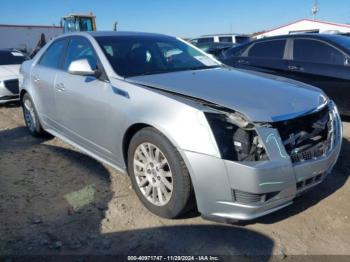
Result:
[[308, 137]]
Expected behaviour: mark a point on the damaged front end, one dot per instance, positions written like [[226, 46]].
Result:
[[311, 136], [303, 138], [236, 137]]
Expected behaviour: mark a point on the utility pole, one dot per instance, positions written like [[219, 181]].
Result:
[[314, 10], [115, 26]]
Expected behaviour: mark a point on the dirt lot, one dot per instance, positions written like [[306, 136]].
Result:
[[55, 200]]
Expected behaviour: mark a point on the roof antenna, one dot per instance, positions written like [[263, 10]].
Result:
[[314, 10]]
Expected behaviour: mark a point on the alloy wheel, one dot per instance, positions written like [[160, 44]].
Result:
[[29, 114], [153, 174]]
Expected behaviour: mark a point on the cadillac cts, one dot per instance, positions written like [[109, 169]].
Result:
[[186, 129]]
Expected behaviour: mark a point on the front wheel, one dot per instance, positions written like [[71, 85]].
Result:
[[31, 117], [159, 175]]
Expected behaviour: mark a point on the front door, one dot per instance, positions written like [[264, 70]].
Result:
[[81, 101]]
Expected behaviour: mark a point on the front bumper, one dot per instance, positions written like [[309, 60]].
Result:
[[259, 187]]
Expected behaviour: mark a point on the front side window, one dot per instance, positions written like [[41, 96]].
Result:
[[316, 52], [52, 56], [144, 55], [80, 48], [268, 49]]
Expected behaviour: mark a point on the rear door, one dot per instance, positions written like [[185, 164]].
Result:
[[81, 100], [320, 64], [43, 77]]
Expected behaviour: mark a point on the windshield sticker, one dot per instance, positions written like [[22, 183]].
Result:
[[206, 60], [17, 54]]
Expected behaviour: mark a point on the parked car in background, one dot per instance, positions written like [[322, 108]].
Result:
[[182, 125], [10, 62], [221, 38], [215, 49], [322, 60]]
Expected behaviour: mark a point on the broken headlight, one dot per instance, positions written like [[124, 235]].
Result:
[[237, 140]]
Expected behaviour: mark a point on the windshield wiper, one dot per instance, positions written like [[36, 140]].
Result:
[[175, 70], [203, 67]]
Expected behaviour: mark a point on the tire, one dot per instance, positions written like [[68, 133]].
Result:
[[181, 197], [31, 117]]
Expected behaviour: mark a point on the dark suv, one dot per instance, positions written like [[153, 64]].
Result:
[[318, 59]]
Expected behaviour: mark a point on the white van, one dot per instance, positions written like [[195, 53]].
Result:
[[227, 38]]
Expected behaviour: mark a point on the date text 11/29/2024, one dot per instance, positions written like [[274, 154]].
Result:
[[173, 258]]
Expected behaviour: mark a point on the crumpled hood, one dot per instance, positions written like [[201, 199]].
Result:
[[9, 70], [260, 97]]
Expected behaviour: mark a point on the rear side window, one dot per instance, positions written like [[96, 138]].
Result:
[[316, 52], [268, 49], [80, 48], [225, 39], [53, 55]]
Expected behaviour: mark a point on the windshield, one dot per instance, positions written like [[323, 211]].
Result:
[[242, 39], [343, 41], [11, 58], [145, 55]]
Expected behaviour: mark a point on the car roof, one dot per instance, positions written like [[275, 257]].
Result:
[[311, 36], [216, 43], [231, 34], [121, 33]]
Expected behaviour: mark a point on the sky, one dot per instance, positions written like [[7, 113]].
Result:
[[176, 17]]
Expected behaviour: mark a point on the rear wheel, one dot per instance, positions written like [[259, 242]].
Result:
[[159, 175], [31, 117]]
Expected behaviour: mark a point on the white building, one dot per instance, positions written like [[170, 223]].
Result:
[[306, 26], [26, 36]]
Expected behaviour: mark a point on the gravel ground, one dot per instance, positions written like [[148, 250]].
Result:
[[56, 200]]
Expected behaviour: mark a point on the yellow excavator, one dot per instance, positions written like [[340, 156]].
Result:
[[78, 22], [70, 23]]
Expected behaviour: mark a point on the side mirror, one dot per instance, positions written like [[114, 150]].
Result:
[[81, 67]]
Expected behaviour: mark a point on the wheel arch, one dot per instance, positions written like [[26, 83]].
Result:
[[136, 127], [129, 134], [22, 93]]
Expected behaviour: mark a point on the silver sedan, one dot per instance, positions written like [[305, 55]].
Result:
[[187, 130]]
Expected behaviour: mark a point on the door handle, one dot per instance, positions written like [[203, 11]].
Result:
[[59, 87], [295, 68], [36, 78], [242, 61]]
